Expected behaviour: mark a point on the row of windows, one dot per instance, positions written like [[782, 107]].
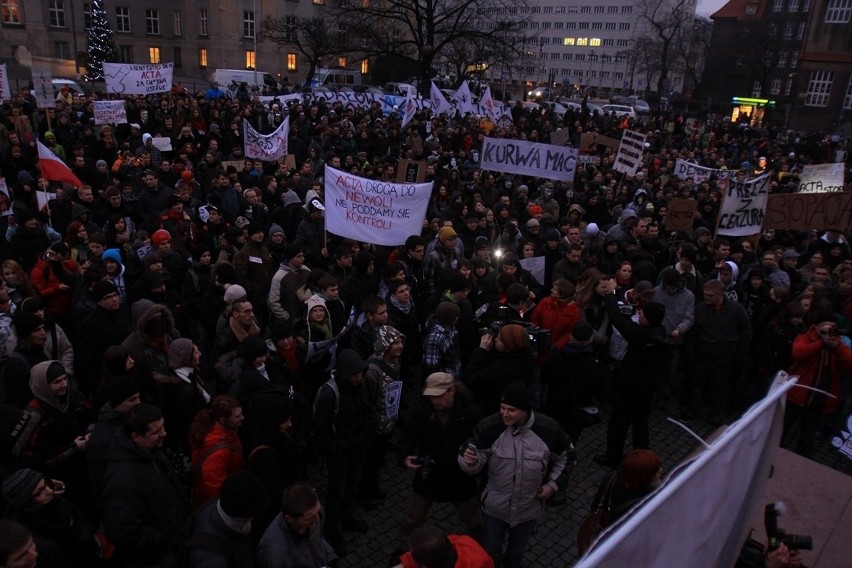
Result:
[[792, 6], [819, 90], [609, 26]]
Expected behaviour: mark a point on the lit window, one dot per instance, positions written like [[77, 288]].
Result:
[[819, 88], [292, 62], [595, 41], [582, 41], [341, 62], [202, 57], [11, 10], [568, 41], [249, 59], [365, 66], [153, 54]]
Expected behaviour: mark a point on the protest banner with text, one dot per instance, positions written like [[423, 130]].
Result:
[[628, 160], [5, 89], [743, 207], [821, 178], [43, 89], [698, 174], [529, 158], [268, 147], [378, 212], [110, 112], [804, 211], [138, 79]]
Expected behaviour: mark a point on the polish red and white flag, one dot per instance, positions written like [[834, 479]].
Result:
[[53, 168]]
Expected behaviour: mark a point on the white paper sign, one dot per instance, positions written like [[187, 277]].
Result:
[[162, 143], [529, 158], [377, 212], [743, 207], [5, 89], [821, 178], [138, 79], [267, 147], [699, 174], [43, 89], [628, 160], [110, 112], [5, 199]]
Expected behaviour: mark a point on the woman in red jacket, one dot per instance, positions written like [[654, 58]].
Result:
[[216, 449], [558, 312], [53, 277], [820, 359]]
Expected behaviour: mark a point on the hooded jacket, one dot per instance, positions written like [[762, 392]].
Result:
[[680, 310]]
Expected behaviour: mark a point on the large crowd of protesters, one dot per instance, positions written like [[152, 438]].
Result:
[[183, 341]]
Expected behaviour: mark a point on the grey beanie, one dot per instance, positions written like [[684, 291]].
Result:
[[180, 353], [19, 485]]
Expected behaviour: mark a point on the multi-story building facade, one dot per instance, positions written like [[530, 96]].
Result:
[[197, 35], [583, 45], [787, 61]]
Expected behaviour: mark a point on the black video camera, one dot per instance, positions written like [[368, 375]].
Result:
[[778, 536], [540, 341]]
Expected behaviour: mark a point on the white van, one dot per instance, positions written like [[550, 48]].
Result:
[[335, 77], [227, 76]]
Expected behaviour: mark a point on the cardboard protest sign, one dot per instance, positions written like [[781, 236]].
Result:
[[804, 211], [529, 158], [743, 207], [138, 79], [587, 139], [681, 214], [110, 112], [373, 211], [628, 160], [561, 137], [821, 177]]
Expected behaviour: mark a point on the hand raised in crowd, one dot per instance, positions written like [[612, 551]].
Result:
[[486, 342]]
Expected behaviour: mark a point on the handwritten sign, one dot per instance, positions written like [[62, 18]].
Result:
[[699, 174], [681, 214], [162, 143], [410, 171], [373, 211], [628, 160], [268, 147], [529, 158], [138, 79], [743, 207], [589, 139], [821, 177], [43, 89], [110, 112], [5, 90], [803, 211]]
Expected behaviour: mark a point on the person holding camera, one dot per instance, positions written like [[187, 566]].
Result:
[[820, 360], [527, 456], [503, 355], [437, 428]]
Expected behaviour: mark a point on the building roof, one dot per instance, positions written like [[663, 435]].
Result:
[[736, 10]]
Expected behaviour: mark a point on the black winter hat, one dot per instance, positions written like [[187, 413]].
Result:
[[243, 495], [26, 323], [517, 395], [19, 485], [103, 289], [120, 389], [349, 362]]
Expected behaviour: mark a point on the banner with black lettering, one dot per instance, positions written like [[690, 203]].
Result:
[[110, 112], [5, 90], [378, 212], [529, 158], [267, 147], [743, 206], [138, 79], [628, 160], [819, 178], [699, 174]]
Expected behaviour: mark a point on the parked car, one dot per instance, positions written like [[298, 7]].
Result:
[[639, 105], [620, 110]]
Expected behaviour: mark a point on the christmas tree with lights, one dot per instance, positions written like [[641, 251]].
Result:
[[100, 43]]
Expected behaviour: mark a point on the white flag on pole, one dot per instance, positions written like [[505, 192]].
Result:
[[440, 104], [464, 100]]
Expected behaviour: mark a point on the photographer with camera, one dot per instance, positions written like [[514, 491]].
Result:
[[782, 548], [503, 356], [820, 360], [435, 431]]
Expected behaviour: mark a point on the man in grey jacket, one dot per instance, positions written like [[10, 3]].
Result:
[[680, 316], [528, 456]]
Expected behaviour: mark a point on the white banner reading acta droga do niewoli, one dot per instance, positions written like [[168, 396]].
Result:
[[529, 158], [378, 212]]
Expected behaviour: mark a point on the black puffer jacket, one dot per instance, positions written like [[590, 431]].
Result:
[[146, 514]]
